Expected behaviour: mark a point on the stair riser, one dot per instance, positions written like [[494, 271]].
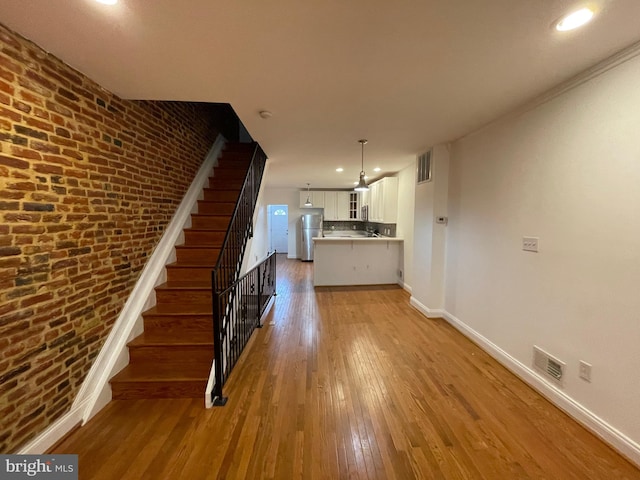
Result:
[[142, 390], [197, 256], [230, 173], [235, 161], [184, 273], [226, 183], [216, 208], [184, 355], [209, 223], [204, 238], [183, 297], [200, 324], [221, 195]]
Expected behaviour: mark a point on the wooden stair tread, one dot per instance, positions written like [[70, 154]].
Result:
[[181, 310], [197, 247], [175, 338], [186, 284], [181, 265], [161, 372], [210, 263]]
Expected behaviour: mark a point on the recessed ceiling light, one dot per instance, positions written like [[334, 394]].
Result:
[[377, 169], [575, 19], [265, 114], [107, 2], [339, 169], [355, 183]]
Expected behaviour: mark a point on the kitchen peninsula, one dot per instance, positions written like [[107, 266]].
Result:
[[357, 260]]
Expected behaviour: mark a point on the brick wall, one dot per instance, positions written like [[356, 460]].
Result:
[[88, 182]]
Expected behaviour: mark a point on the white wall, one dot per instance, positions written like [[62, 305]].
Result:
[[430, 237], [404, 226], [567, 171]]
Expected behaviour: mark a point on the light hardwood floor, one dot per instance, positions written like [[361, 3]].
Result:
[[349, 383]]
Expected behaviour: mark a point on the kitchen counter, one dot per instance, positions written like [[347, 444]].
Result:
[[358, 260], [357, 239]]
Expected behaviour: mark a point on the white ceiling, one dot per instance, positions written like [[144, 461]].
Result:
[[404, 74]]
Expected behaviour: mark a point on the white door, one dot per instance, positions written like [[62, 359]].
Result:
[[279, 228]]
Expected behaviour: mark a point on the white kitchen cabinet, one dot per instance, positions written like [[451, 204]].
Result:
[[330, 206], [383, 200], [316, 197], [341, 205]]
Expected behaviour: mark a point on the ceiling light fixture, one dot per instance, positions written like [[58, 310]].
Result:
[[308, 202], [362, 184], [575, 19], [377, 169], [265, 114], [107, 2], [339, 169]]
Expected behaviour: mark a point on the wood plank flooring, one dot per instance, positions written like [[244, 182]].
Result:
[[349, 383]]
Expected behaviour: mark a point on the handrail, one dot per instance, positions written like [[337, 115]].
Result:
[[241, 225], [237, 310], [232, 323]]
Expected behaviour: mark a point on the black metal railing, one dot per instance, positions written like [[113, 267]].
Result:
[[237, 310], [241, 225]]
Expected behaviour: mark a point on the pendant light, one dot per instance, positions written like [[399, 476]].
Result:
[[308, 202], [362, 184]]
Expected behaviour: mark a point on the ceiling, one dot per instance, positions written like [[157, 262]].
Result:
[[405, 75]]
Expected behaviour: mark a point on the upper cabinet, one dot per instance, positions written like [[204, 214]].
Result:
[[316, 197], [341, 205], [383, 200]]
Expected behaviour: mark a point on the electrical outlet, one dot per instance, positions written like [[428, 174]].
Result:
[[585, 370], [530, 244]]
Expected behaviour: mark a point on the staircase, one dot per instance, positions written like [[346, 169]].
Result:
[[172, 358]]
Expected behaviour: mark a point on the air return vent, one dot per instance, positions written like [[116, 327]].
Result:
[[424, 167], [548, 364]]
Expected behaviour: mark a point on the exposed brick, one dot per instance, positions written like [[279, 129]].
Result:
[[38, 207], [44, 147], [13, 162], [88, 183], [10, 114], [27, 302], [46, 168], [9, 205], [10, 251], [25, 153], [14, 373], [23, 107]]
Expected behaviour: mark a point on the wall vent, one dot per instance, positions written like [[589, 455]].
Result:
[[548, 364], [424, 167]]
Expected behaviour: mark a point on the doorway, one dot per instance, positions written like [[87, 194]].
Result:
[[278, 228]]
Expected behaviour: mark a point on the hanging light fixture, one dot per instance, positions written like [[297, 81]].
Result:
[[308, 202], [362, 184]]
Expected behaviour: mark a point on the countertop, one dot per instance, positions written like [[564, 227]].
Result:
[[357, 239]]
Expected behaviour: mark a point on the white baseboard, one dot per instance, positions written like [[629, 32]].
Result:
[[609, 434], [426, 311], [55, 431], [95, 392]]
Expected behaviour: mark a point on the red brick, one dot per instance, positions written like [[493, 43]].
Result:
[[13, 162], [25, 153]]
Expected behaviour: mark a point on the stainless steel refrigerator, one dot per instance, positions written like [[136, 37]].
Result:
[[311, 226]]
